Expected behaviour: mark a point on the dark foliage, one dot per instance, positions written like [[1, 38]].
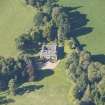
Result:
[[5, 101], [28, 89], [43, 74], [29, 44], [21, 70], [99, 58]]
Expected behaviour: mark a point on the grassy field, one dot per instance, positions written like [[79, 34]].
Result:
[[15, 18], [51, 90], [94, 10]]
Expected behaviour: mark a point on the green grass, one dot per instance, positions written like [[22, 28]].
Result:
[[15, 18], [54, 92], [95, 41]]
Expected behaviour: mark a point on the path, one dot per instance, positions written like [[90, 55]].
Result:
[[49, 65]]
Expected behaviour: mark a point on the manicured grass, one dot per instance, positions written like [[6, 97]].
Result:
[[94, 9], [15, 18]]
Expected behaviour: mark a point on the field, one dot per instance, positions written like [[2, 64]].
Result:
[[53, 88], [15, 18], [94, 40]]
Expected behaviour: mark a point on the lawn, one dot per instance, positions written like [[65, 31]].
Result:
[[15, 18], [52, 89], [94, 40]]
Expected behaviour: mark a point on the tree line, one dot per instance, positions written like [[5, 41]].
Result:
[[51, 23], [15, 71], [89, 77]]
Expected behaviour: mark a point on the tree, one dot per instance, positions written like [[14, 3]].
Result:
[[62, 18], [85, 65], [55, 14], [71, 63], [31, 2], [45, 19], [12, 87], [85, 56], [94, 74], [102, 68], [23, 41], [71, 44], [48, 6], [72, 58], [38, 19], [47, 31], [29, 43], [87, 99], [61, 35], [21, 62], [79, 90], [37, 36], [72, 71], [4, 73], [101, 89], [10, 63]]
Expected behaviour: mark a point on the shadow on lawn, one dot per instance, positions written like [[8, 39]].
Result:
[[99, 58], [78, 22], [5, 101], [28, 89], [41, 74], [87, 103]]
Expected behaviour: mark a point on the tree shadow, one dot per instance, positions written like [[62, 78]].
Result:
[[41, 74], [68, 9], [99, 58], [28, 89], [78, 22], [80, 46], [87, 103], [5, 101]]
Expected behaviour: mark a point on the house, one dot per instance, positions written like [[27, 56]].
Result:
[[49, 52]]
